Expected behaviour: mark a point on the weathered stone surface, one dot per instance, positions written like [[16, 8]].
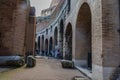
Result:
[[17, 28], [95, 41], [67, 64], [31, 61], [14, 61]]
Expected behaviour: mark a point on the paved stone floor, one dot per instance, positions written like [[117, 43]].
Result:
[[4, 69], [46, 69]]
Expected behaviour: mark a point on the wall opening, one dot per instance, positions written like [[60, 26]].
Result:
[[46, 47], [55, 37], [69, 5], [68, 36], [51, 47], [39, 43], [84, 37], [42, 45]]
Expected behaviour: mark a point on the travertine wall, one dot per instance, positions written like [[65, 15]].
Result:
[[95, 29], [111, 37]]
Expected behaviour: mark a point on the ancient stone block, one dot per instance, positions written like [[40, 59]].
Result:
[[67, 64], [31, 61]]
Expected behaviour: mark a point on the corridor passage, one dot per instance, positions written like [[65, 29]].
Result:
[[46, 69]]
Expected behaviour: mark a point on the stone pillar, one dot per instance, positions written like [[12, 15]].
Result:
[[64, 46], [60, 42], [41, 45], [110, 35], [106, 48]]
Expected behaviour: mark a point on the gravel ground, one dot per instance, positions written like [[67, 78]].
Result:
[[46, 69]]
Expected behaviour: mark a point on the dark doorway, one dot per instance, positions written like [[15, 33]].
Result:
[[68, 36], [84, 36], [39, 43], [55, 37], [46, 47], [51, 47]]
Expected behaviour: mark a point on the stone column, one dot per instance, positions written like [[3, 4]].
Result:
[[64, 46], [60, 42]]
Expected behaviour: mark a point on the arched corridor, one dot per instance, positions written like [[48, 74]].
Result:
[[68, 38], [39, 43], [55, 37], [84, 37], [86, 32], [46, 47], [80, 34], [51, 46]]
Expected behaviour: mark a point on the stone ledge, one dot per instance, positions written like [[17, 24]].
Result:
[[80, 78], [85, 72]]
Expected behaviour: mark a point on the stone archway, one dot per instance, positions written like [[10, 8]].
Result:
[[46, 47], [39, 44], [42, 45], [68, 42], [50, 46], [84, 37], [55, 37]]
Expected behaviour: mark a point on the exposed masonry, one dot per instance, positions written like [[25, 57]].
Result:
[[17, 27], [89, 35]]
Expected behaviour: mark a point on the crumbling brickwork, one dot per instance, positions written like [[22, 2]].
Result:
[[6, 25], [14, 19]]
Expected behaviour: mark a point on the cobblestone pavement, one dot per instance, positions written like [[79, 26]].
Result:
[[46, 69]]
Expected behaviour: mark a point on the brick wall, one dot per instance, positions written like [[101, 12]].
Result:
[[6, 26], [30, 32], [14, 19]]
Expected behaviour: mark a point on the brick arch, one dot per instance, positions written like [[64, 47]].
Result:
[[46, 47], [68, 41], [42, 44], [38, 43], [84, 36], [55, 37], [50, 46]]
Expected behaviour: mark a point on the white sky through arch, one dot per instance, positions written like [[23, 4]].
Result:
[[40, 5]]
